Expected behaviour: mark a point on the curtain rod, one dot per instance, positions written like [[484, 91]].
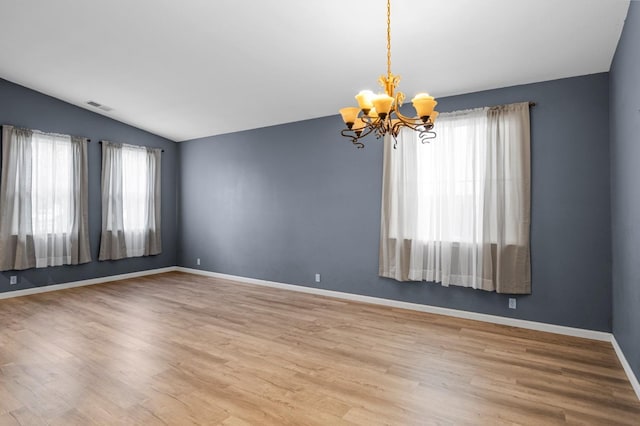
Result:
[[45, 133], [162, 150], [531, 104]]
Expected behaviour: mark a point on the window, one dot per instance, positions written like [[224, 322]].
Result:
[[52, 190], [135, 174], [130, 201], [43, 218], [456, 210]]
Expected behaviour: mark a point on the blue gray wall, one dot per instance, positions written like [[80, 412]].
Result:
[[285, 202], [625, 188], [23, 107]]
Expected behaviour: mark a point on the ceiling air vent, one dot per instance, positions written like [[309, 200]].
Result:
[[99, 106]]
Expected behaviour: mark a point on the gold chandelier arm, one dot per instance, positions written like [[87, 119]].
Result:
[[426, 136], [412, 123], [418, 127], [408, 120], [355, 136], [370, 121], [425, 131]]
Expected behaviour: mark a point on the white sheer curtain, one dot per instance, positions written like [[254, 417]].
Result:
[[456, 210], [130, 201], [43, 199]]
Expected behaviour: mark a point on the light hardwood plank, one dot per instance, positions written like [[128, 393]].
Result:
[[182, 349]]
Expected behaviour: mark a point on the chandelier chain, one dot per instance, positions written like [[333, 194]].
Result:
[[389, 39]]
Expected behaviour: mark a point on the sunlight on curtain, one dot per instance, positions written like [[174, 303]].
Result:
[[456, 210], [130, 201], [43, 220], [135, 204], [52, 204]]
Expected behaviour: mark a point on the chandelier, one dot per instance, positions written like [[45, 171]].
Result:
[[380, 113]]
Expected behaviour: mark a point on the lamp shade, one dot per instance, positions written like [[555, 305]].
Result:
[[364, 99], [424, 104], [383, 103], [433, 116], [349, 114]]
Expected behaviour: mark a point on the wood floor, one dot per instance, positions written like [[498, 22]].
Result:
[[182, 349]]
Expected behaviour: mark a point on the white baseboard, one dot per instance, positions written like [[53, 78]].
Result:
[[627, 367], [514, 322], [92, 281]]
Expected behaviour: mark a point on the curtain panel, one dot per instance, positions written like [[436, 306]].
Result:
[[43, 200], [457, 210], [131, 200]]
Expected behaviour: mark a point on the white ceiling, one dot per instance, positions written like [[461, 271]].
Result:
[[194, 68]]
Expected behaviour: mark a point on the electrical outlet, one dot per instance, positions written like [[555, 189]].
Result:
[[13, 280], [198, 261], [512, 303], [317, 278]]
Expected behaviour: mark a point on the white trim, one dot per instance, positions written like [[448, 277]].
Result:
[[92, 281], [513, 322], [627, 367]]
